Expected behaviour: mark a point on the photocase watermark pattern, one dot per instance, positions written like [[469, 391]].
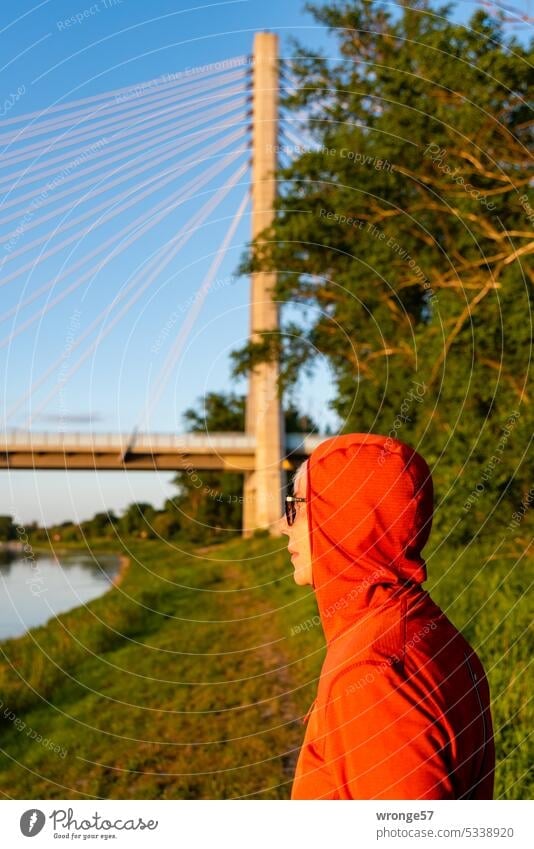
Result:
[[493, 462], [381, 667], [37, 202], [519, 515], [437, 155], [30, 732], [174, 317], [8, 103], [307, 625], [343, 153], [390, 242], [342, 603], [85, 14], [74, 324], [142, 88], [528, 210], [413, 396], [36, 581]]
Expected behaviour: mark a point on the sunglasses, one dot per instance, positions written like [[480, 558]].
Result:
[[291, 508]]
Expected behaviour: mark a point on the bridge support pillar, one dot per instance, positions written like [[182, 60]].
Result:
[[262, 489]]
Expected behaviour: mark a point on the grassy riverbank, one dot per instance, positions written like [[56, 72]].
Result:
[[190, 678]]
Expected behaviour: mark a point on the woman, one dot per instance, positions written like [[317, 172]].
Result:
[[403, 706]]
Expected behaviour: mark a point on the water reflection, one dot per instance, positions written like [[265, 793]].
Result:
[[34, 589]]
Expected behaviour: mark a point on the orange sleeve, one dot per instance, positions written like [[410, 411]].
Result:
[[384, 740]]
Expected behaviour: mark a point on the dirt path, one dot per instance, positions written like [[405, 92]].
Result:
[[279, 714]]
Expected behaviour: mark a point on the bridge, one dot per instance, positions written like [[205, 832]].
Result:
[[201, 121], [229, 452]]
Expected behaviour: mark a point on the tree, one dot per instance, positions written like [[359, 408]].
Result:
[[408, 222], [166, 524], [7, 529], [209, 503], [101, 525], [218, 411], [136, 520], [297, 422], [68, 532]]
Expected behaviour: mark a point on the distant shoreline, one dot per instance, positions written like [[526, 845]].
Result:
[[124, 562], [18, 547]]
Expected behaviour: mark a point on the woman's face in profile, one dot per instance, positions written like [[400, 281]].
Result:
[[299, 538]]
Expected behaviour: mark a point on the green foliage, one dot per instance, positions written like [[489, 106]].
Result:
[[408, 224]]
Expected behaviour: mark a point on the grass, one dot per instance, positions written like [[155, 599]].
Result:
[[190, 679]]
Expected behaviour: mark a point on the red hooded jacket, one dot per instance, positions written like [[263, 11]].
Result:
[[403, 705]]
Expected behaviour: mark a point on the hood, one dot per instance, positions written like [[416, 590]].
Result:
[[369, 506]]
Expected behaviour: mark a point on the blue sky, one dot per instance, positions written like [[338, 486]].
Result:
[[57, 51]]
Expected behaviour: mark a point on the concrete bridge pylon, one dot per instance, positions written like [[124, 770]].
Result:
[[263, 488]]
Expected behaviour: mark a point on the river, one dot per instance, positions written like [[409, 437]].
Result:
[[33, 591]]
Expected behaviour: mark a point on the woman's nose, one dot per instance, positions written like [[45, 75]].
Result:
[[282, 525]]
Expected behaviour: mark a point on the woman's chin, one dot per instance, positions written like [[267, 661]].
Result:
[[299, 577]]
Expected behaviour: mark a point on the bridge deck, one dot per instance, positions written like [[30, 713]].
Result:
[[145, 452]]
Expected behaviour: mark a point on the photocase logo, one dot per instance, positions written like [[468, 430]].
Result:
[[32, 822]]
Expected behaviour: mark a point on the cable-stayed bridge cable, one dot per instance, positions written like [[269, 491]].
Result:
[[99, 189], [83, 134], [133, 232], [129, 108], [219, 145], [110, 147], [154, 185], [177, 78], [194, 310], [180, 240], [168, 252]]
